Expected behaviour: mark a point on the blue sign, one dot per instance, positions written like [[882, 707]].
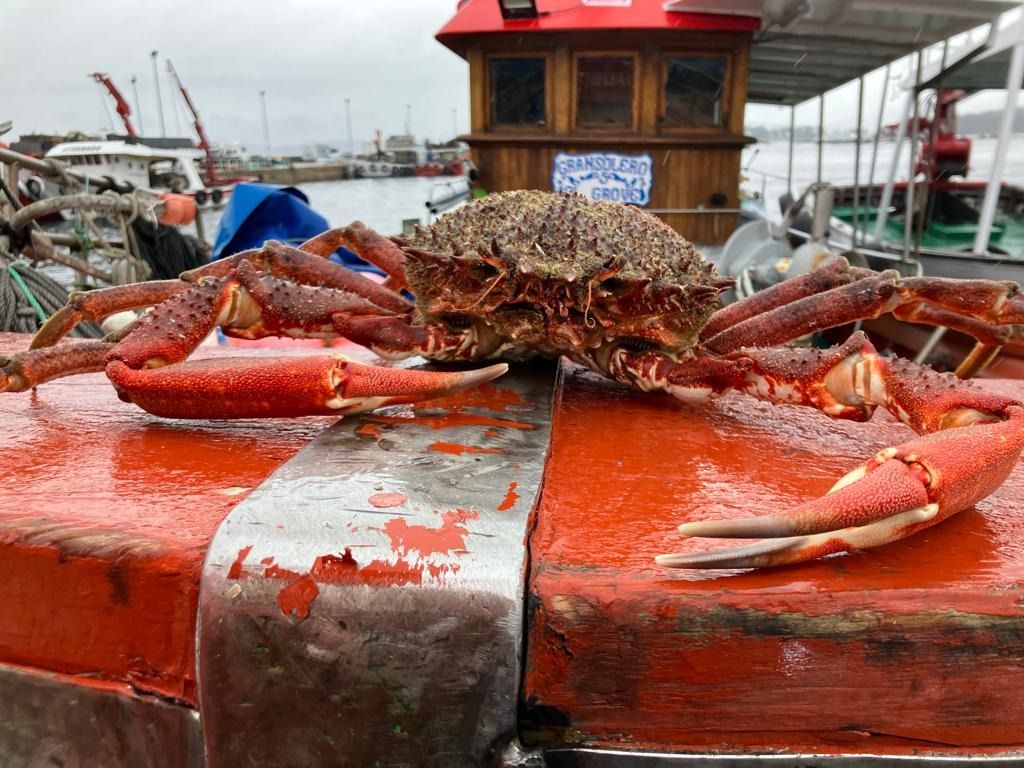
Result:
[[605, 176]]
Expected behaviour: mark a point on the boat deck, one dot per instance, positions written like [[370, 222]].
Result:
[[106, 514]]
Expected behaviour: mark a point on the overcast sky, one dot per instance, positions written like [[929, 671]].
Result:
[[308, 55]]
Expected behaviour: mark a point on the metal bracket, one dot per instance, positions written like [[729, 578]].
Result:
[[365, 605]]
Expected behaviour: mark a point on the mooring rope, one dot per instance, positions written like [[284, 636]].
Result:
[[28, 297]]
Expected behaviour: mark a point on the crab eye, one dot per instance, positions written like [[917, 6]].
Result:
[[481, 270], [615, 286], [457, 322]]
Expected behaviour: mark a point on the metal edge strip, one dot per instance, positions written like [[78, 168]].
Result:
[[365, 605]]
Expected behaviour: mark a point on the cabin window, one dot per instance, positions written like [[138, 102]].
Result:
[[518, 90], [605, 91], [694, 93]]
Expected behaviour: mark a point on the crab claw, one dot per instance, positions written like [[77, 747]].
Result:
[[244, 388], [897, 493]]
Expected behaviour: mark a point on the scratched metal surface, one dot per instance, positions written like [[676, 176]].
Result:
[[365, 605], [56, 720]]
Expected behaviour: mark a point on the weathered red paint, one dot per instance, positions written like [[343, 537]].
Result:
[[449, 420], [387, 500], [297, 596], [457, 449], [449, 538], [105, 516], [511, 497], [913, 646], [235, 571]]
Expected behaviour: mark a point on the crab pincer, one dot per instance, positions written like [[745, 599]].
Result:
[[898, 492]]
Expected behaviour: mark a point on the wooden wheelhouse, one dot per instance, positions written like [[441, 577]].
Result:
[[620, 100]]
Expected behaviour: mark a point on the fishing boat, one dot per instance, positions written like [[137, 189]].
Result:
[[134, 165], [470, 581], [959, 227]]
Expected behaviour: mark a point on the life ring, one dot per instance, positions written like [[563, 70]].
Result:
[[35, 188]]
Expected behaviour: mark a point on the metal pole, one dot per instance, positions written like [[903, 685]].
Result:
[[991, 202], [886, 201], [455, 122], [856, 160], [138, 108], [792, 130], [348, 123], [909, 212], [159, 101], [878, 133], [266, 125], [821, 133]]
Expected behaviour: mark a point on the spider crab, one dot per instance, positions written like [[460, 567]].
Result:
[[521, 274]]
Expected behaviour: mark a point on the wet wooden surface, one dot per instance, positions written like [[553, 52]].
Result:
[[105, 516], [917, 646]]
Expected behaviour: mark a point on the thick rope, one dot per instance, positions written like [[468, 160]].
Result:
[[28, 297]]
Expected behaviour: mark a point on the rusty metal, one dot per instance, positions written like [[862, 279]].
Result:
[[52, 720], [366, 602]]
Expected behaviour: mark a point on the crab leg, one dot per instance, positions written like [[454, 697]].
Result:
[[244, 388], [964, 305], [296, 265], [972, 440], [365, 243], [101, 303], [835, 273], [28, 369]]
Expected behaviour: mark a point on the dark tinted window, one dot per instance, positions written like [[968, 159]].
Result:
[[517, 91], [604, 91], [694, 88]]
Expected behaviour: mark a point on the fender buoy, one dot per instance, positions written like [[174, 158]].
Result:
[[178, 209]]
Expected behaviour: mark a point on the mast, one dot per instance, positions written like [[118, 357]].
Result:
[[204, 142], [124, 111]]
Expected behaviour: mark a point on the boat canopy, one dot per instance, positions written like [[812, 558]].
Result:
[[804, 48], [982, 65]]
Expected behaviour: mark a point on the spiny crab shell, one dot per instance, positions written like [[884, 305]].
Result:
[[533, 273]]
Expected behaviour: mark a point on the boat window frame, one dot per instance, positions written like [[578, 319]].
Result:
[[548, 125], [665, 128], [597, 53]]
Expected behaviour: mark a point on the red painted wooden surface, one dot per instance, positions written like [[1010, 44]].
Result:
[[105, 516], [915, 646]]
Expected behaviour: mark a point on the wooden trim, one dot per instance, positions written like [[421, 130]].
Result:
[[618, 130], [726, 100], [548, 125], [662, 142]]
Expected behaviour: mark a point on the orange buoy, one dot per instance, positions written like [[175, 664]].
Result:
[[178, 209]]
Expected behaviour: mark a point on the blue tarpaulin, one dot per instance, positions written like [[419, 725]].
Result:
[[260, 212]]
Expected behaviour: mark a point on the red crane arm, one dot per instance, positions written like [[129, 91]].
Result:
[[123, 109], [204, 142]]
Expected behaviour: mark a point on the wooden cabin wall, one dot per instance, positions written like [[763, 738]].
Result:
[[689, 165], [684, 177]]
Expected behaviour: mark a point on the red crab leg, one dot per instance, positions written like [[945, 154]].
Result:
[[101, 303], [365, 243], [897, 493], [975, 301], [295, 265], [29, 369], [246, 388], [835, 273]]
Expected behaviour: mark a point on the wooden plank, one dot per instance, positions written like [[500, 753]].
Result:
[[915, 647]]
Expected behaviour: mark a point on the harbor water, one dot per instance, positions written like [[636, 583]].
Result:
[[384, 203]]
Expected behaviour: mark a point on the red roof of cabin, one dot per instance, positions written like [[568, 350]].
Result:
[[481, 17]]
